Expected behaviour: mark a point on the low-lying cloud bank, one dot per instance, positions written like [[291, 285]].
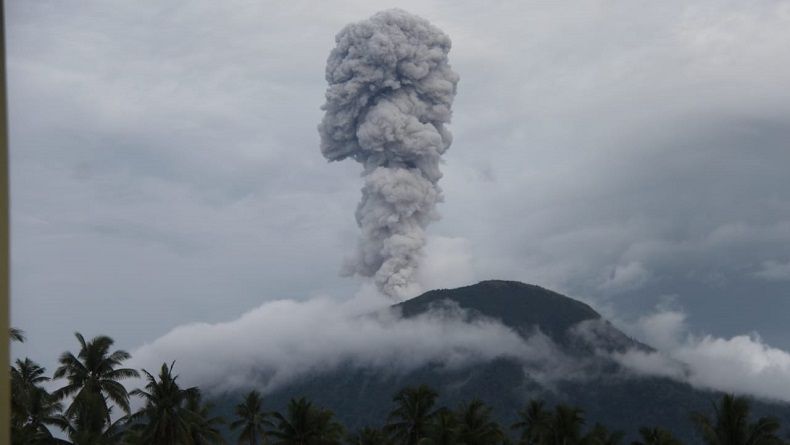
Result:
[[283, 340], [741, 364]]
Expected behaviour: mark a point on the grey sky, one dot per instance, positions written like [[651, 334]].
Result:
[[166, 169]]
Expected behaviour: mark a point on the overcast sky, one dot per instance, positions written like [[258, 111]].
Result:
[[166, 168]]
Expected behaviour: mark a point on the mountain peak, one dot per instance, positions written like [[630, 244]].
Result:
[[502, 283], [518, 305]]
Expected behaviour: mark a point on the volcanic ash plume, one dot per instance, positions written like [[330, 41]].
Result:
[[389, 98]]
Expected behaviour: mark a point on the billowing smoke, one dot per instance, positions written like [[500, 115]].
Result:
[[389, 98]]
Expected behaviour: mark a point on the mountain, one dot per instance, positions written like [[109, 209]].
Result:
[[607, 392], [525, 308], [515, 304]]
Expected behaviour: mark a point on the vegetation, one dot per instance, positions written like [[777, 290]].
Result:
[[408, 422], [93, 382], [166, 416], [731, 424], [656, 436], [305, 424], [92, 407], [251, 418], [16, 335]]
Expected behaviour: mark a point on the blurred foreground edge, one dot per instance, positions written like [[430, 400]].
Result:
[[5, 384]]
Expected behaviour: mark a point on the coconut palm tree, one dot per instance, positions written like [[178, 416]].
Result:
[[33, 409], [328, 431], [731, 425], [475, 426], [94, 378], [600, 435], [565, 426], [304, 424], [41, 412], [534, 423], [164, 418], [369, 436], [86, 428], [25, 376], [251, 418], [408, 422], [204, 427], [16, 335], [443, 429], [656, 436], [296, 426]]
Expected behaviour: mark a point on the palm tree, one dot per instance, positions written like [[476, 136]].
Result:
[[600, 435], [656, 436], [25, 375], [296, 426], [86, 428], [204, 428], [731, 425], [251, 418], [476, 426], [534, 423], [328, 431], [33, 409], [565, 426], [93, 378], [164, 418], [443, 429], [16, 335], [304, 424], [408, 422], [41, 411], [369, 436]]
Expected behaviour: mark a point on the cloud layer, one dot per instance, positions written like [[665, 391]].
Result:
[[742, 364], [284, 340]]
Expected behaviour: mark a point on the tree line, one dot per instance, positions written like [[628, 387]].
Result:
[[93, 408]]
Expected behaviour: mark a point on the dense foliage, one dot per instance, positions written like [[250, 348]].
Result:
[[92, 407]]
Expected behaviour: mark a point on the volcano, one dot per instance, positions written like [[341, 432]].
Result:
[[607, 392]]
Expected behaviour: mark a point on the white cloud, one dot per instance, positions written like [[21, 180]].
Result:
[[651, 364], [742, 364], [286, 339]]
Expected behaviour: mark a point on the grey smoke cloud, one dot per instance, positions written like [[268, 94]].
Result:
[[389, 98]]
